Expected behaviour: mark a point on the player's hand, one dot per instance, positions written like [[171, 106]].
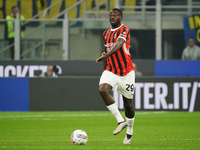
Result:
[[104, 55]]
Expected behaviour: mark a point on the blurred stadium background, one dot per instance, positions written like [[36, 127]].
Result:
[[69, 34]]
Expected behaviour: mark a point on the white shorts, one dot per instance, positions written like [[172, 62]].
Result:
[[126, 84]]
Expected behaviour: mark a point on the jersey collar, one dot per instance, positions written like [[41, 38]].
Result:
[[116, 28]]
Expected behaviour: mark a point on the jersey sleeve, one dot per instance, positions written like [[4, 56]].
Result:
[[124, 33], [104, 39]]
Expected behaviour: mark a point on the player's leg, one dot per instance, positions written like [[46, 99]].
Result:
[[107, 81], [104, 90], [129, 109], [126, 88], [130, 114]]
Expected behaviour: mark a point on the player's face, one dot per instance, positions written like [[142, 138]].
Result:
[[115, 19]]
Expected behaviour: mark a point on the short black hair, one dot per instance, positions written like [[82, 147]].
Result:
[[117, 9]]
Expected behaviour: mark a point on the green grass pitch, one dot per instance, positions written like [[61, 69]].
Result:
[[52, 131]]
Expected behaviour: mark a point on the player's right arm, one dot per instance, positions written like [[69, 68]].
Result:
[[105, 60], [104, 52]]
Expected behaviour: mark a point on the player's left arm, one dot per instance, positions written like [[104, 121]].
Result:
[[116, 47]]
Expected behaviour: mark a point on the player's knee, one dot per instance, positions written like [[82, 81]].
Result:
[[103, 91]]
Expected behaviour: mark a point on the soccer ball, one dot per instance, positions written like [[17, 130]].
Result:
[[79, 137]]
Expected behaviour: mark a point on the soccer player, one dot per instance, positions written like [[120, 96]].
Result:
[[118, 70]]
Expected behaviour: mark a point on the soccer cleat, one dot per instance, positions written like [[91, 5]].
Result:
[[120, 127], [127, 139]]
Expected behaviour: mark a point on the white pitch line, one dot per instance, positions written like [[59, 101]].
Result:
[[75, 115]]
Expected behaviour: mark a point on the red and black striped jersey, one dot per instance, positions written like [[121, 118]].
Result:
[[120, 62]]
